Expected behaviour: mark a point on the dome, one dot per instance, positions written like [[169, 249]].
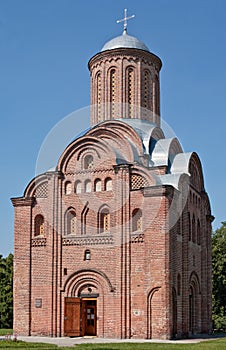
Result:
[[124, 41]]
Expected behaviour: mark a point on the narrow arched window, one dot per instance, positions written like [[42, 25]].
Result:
[[178, 284], [198, 232], [137, 220], [108, 184], [39, 229], [189, 226], [147, 90], [112, 92], [88, 162], [71, 223], [156, 97], [104, 220], [130, 91], [87, 255], [97, 185], [88, 186], [98, 91], [193, 229], [78, 187], [68, 188]]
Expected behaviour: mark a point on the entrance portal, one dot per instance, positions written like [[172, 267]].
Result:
[[80, 317], [89, 317]]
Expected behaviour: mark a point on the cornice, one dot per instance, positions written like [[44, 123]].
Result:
[[125, 53], [159, 191], [23, 201]]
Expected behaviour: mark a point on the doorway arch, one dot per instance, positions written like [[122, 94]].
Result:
[[83, 300]]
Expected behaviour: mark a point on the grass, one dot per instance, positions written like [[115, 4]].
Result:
[[219, 344], [5, 331], [22, 345]]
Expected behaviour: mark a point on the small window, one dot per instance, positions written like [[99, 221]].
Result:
[[68, 188], [88, 186], [78, 187], [39, 226], [108, 184], [137, 220], [97, 185], [87, 255], [71, 223], [88, 162], [104, 223]]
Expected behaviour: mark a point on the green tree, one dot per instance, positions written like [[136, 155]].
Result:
[[219, 277], [6, 291]]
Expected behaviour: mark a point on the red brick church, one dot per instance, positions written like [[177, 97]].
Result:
[[116, 240]]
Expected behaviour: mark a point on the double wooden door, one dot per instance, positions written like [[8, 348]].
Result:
[[80, 317]]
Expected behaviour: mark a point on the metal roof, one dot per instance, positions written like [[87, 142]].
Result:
[[180, 163], [124, 41]]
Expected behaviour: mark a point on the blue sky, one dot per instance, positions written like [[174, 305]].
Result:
[[45, 46]]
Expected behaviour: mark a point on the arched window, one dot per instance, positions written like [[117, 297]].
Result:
[[130, 92], [112, 92], [68, 187], [98, 79], [104, 220], [88, 186], [198, 232], [189, 226], [137, 220], [108, 184], [156, 97], [88, 162], [87, 255], [147, 90], [39, 229], [71, 222], [78, 187], [178, 284], [97, 185], [193, 229]]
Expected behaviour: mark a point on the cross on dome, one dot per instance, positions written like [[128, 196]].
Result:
[[125, 19]]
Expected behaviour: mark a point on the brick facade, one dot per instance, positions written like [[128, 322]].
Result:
[[117, 241]]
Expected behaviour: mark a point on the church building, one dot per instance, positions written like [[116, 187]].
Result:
[[115, 241]]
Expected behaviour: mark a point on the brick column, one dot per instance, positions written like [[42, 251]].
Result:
[[123, 193], [22, 265], [54, 249]]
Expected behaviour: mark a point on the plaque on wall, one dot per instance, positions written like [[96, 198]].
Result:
[[38, 302]]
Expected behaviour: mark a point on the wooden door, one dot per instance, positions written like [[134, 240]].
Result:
[[72, 317], [89, 317]]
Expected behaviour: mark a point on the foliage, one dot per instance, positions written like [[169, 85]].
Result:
[[219, 277], [6, 291]]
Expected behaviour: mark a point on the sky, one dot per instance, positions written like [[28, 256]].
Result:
[[45, 46]]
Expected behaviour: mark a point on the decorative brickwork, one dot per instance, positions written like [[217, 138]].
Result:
[[137, 238], [86, 241], [41, 191], [137, 182], [39, 242]]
